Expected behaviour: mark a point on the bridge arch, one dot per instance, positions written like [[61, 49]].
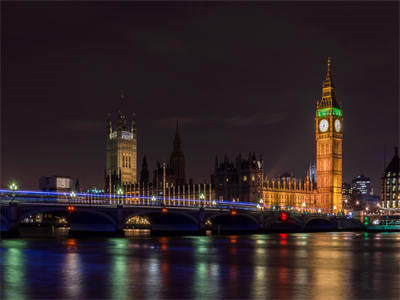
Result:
[[63, 209], [223, 214], [149, 213], [4, 222], [319, 223]]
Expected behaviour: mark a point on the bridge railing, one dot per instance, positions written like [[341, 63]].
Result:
[[36, 197], [135, 199]]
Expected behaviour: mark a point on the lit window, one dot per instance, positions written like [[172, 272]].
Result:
[[245, 178], [394, 196], [227, 179], [394, 180], [253, 178]]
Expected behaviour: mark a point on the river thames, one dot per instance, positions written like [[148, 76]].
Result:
[[337, 265]]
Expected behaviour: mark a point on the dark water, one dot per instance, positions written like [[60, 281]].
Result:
[[282, 266]]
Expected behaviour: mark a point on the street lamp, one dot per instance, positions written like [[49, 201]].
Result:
[[120, 192], [202, 197], [72, 195], [13, 186], [153, 198]]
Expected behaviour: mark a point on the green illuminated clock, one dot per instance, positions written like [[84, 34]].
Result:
[[338, 125], [323, 125]]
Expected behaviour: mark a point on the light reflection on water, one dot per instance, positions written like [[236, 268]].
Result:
[[285, 266], [13, 266]]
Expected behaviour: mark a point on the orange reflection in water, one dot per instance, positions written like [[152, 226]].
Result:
[[164, 243], [71, 244]]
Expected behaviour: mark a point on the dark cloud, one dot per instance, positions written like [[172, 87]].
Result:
[[255, 120], [85, 125]]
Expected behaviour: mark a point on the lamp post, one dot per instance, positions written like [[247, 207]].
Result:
[[120, 192], [72, 195], [13, 187], [201, 199], [153, 199]]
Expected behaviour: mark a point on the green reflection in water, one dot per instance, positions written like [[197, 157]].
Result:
[[206, 273], [118, 276], [14, 269]]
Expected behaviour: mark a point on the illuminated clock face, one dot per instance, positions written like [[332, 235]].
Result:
[[323, 125], [338, 125]]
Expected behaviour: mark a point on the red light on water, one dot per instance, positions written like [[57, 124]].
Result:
[[70, 208], [164, 210], [283, 216], [233, 212]]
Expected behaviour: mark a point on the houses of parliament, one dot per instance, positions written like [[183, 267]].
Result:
[[239, 180]]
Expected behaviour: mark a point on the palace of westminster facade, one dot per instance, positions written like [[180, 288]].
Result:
[[241, 180]]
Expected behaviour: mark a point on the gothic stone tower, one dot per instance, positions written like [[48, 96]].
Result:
[[121, 153], [329, 137], [177, 160]]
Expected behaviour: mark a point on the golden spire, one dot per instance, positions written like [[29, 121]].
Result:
[[328, 89]]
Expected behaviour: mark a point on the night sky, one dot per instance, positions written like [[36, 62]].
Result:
[[239, 76]]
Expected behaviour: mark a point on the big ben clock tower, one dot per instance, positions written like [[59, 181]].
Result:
[[329, 137]]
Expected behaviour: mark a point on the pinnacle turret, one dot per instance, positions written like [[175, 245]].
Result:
[[177, 139], [328, 89]]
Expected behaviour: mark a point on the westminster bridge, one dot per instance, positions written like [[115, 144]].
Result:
[[88, 213]]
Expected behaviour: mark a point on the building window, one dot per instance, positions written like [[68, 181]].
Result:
[[253, 178], [394, 196], [244, 178], [394, 180]]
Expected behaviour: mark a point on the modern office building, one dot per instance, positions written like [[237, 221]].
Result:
[[362, 185]]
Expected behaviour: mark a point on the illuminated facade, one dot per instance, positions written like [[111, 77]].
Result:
[[326, 192], [290, 192], [121, 153], [390, 195]]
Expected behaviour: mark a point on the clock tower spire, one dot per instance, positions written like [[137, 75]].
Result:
[[329, 137]]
